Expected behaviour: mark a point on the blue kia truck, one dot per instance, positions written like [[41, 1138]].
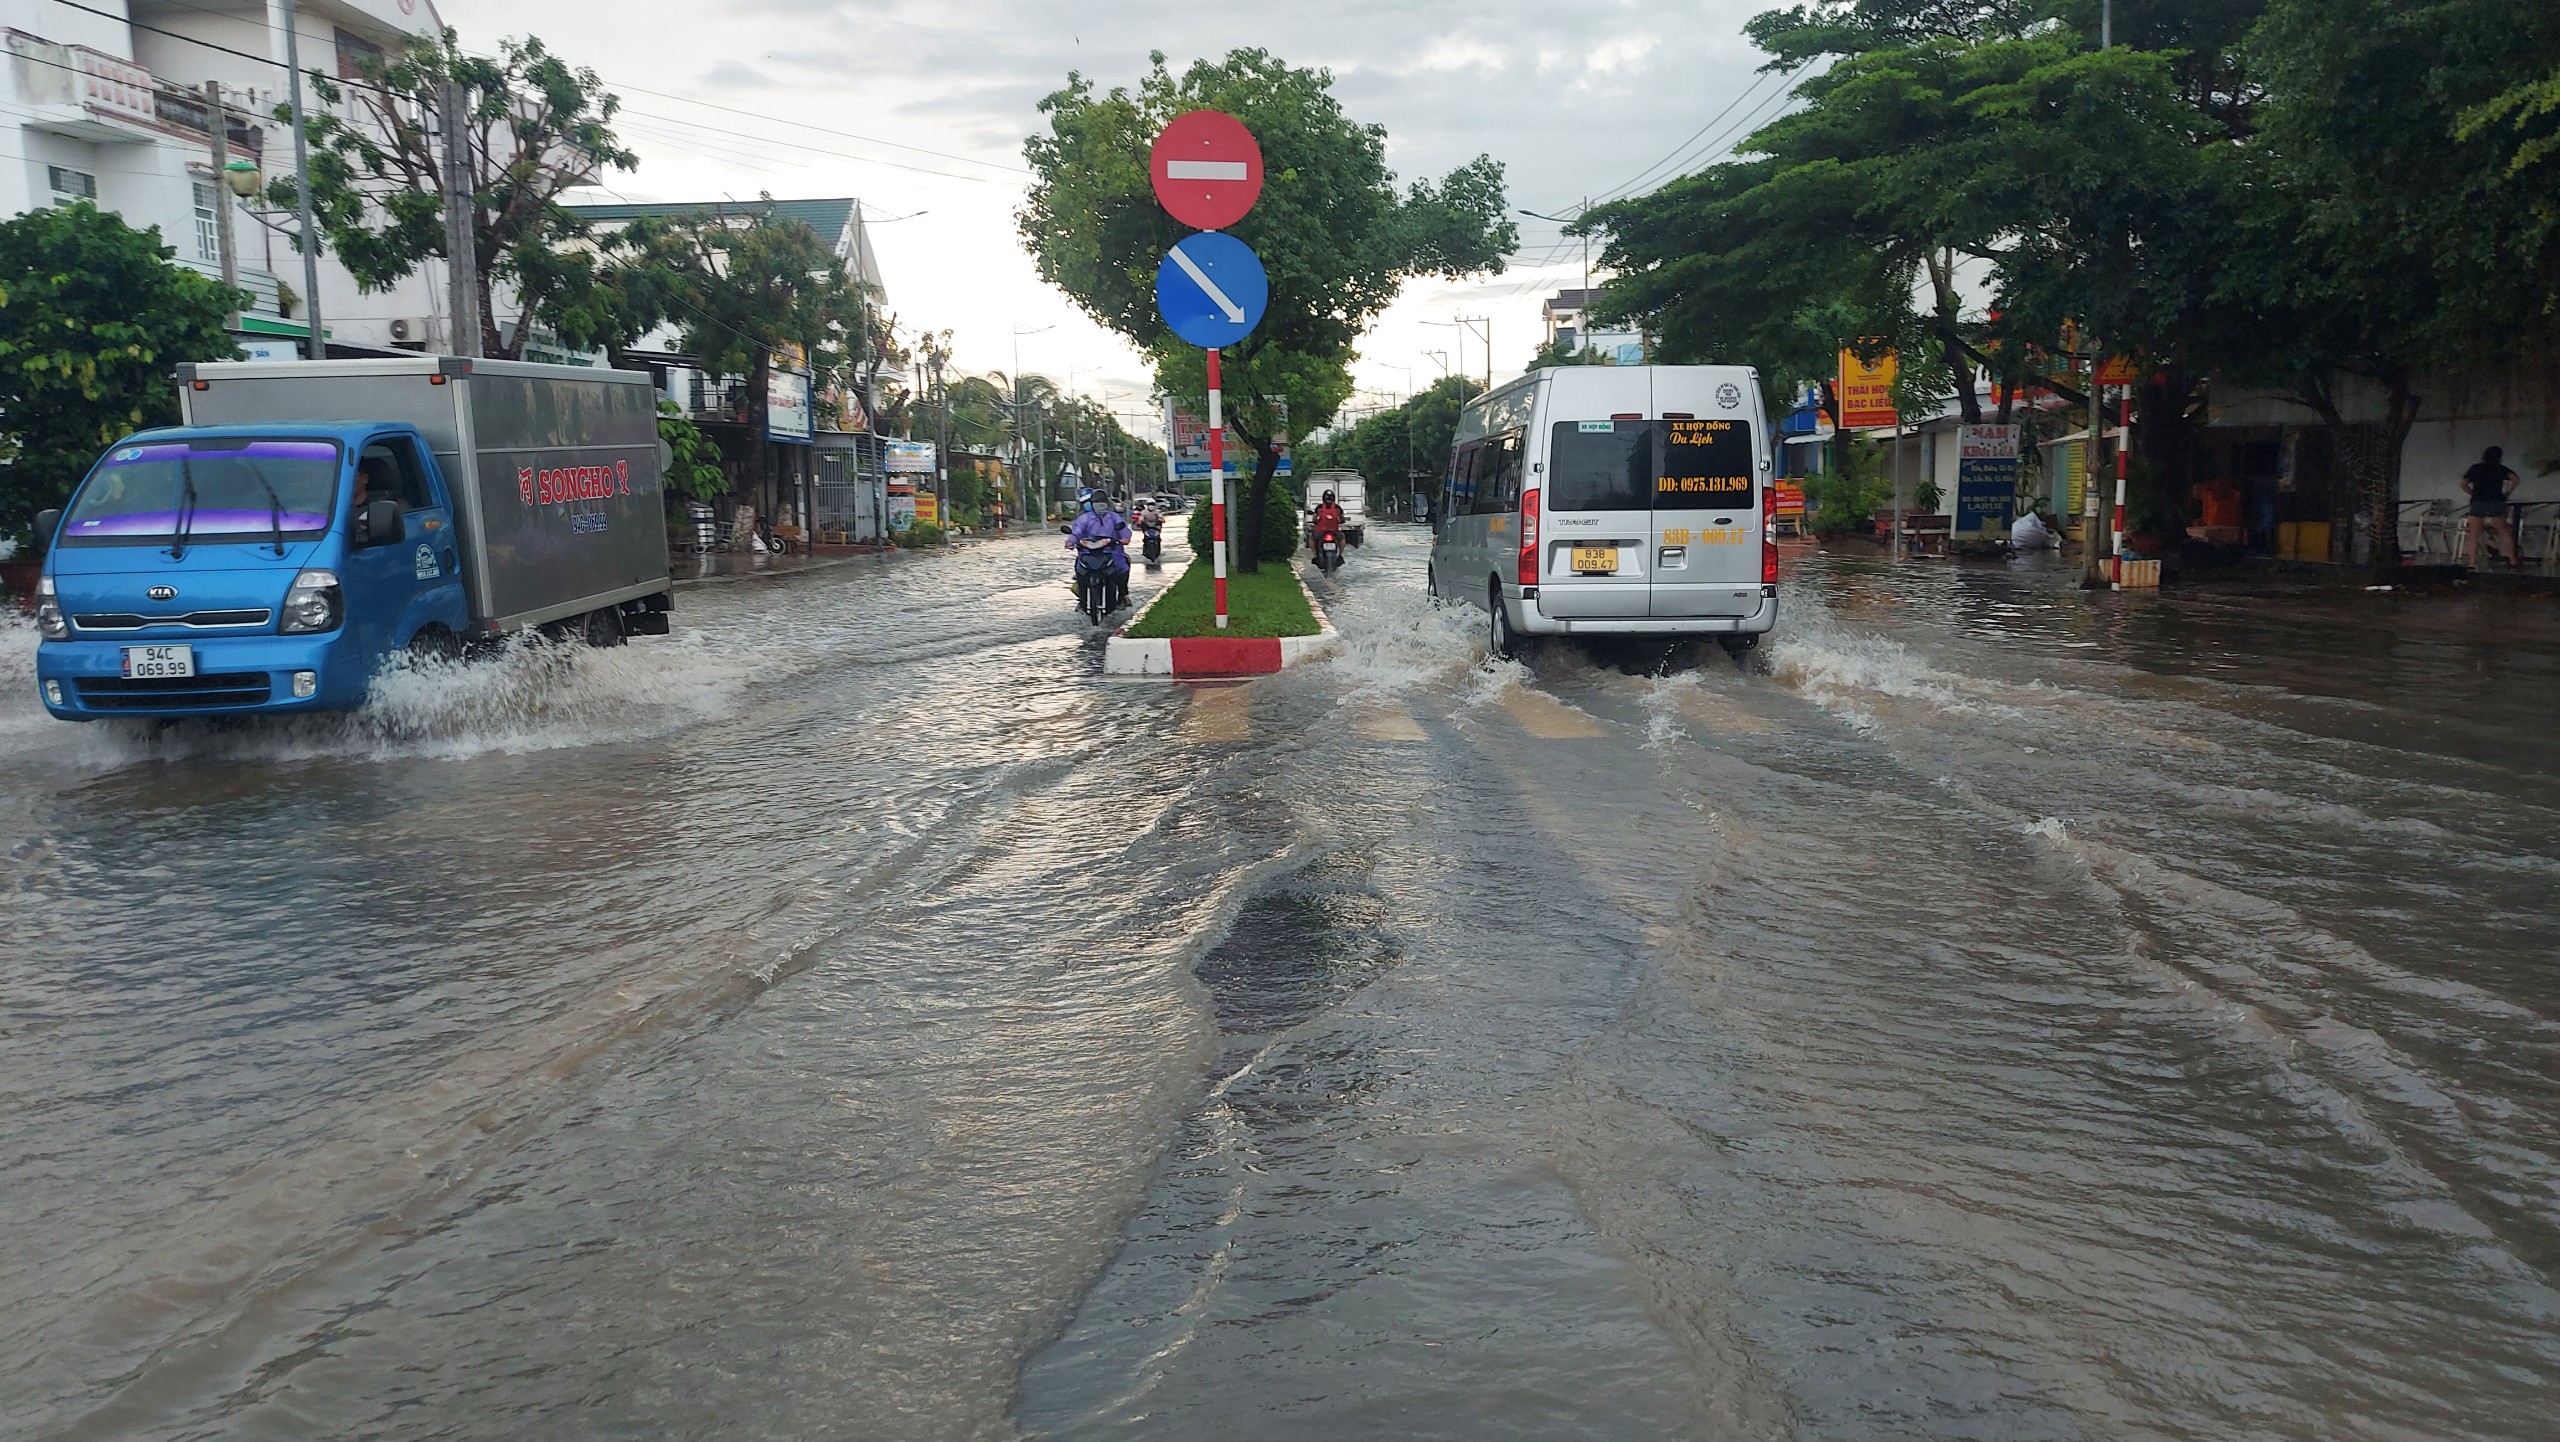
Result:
[[309, 521]]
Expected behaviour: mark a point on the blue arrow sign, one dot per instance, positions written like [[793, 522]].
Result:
[[1211, 289]]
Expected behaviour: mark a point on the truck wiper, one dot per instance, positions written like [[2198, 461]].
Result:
[[186, 510], [275, 509]]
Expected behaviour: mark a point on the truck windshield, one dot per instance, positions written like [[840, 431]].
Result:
[[222, 488]]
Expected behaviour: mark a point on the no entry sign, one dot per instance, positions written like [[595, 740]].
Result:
[[1207, 169]]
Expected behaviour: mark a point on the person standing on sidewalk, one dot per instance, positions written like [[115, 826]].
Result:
[[2488, 484]]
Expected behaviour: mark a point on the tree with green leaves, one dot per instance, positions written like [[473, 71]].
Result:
[[1403, 450], [1336, 235], [94, 318], [743, 287], [693, 461], [2413, 243], [539, 127]]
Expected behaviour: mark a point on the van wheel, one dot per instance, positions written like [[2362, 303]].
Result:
[[603, 627], [1498, 642]]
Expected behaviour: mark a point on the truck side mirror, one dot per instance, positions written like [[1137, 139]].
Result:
[[47, 522], [379, 523]]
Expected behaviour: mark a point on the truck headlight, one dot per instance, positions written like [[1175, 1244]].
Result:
[[49, 622], [312, 604]]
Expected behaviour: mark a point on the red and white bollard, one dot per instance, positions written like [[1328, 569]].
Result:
[[1217, 492]]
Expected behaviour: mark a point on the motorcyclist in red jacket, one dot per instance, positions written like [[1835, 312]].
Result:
[[1327, 520]]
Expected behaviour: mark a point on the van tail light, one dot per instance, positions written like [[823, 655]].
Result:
[[1528, 538], [1768, 537]]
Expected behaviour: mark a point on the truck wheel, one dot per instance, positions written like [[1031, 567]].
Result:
[[435, 643], [603, 627], [1498, 643]]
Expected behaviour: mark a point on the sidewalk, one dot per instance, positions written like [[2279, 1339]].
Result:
[[701, 570]]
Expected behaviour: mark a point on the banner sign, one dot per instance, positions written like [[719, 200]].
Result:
[[1986, 477], [907, 458], [1866, 391], [928, 507], [902, 507], [787, 414], [1790, 498], [1190, 436]]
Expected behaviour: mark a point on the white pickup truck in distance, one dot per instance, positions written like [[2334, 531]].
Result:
[[1350, 492]]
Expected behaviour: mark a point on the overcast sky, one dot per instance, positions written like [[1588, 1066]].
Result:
[[1572, 96]]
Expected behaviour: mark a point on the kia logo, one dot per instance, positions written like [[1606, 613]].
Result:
[[162, 593]]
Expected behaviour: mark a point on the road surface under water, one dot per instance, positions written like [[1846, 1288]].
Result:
[[2006, 1015]]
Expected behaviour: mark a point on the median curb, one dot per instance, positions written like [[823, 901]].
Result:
[[1214, 657]]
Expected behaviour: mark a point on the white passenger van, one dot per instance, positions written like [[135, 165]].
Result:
[[1612, 501]]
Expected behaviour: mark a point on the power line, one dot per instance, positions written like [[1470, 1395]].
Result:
[[1625, 186]]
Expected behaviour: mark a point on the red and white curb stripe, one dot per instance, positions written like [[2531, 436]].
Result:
[[1205, 657]]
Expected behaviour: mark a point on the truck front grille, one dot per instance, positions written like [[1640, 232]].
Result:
[[193, 620], [220, 688]]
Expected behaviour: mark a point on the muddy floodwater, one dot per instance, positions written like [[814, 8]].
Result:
[[2003, 1014]]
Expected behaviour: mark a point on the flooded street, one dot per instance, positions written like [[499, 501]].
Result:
[[2006, 1015]]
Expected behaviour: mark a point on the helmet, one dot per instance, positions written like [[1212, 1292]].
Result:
[[1088, 497], [1328, 495]]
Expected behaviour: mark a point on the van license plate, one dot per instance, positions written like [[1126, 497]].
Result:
[[1595, 560], [158, 663]]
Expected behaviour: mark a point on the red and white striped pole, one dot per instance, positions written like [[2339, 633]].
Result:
[[1217, 491], [2124, 443]]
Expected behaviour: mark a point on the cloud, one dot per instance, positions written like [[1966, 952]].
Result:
[[731, 75], [1572, 96]]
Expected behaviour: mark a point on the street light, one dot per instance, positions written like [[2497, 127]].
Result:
[[1586, 237]]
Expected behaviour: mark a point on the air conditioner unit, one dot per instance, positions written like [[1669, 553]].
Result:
[[408, 330]]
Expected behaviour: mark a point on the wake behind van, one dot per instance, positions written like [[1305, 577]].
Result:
[[1612, 501]]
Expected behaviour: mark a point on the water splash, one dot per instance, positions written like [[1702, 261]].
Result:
[[530, 695]]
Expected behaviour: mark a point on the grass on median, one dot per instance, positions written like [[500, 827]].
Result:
[[1267, 602]]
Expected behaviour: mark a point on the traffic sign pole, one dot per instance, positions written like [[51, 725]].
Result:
[[1217, 492], [1210, 288]]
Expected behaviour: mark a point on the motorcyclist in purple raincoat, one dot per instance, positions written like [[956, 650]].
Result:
[[1101, 523]]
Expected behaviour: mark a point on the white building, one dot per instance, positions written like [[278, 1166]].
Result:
[[1564, 313], [113, 110]]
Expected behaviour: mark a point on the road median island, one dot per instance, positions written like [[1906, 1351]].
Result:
[[1271, 622]]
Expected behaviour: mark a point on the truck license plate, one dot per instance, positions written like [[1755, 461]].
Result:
[[1595, 560], [158, 663]]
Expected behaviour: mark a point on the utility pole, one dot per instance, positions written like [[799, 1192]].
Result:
[[942, 456], [461, 243], [218, 125], [2093, 573], [318, 347]]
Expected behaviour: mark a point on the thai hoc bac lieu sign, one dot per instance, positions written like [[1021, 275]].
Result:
[[1705, 463]]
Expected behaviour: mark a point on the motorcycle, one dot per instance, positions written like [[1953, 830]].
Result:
[[1153, 549], [1093, 580], [1328, 549]]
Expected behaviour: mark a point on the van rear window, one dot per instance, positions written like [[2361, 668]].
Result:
[[1638, 465], [1600, 466], [1704, 463]]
